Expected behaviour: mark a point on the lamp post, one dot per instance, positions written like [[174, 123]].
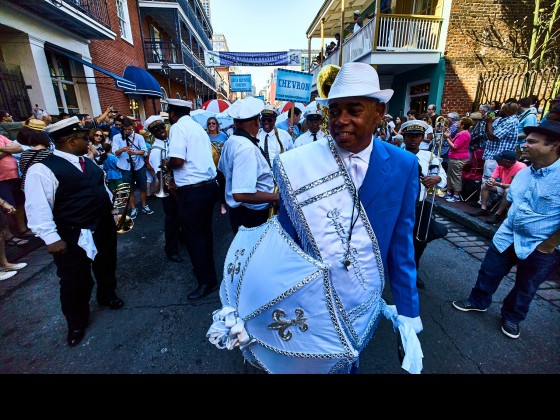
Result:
[[166, 69]]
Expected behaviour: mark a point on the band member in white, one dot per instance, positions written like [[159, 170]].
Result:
[[432, 175], [194, 172], [249, 183], [314, 119], [158, 156], [272, 140]]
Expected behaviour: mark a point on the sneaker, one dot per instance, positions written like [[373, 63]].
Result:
[[133, 213], [453, 199], [466, 306], [13, 267], [147, 210], [478, 213], [510, 328], [7, 274], [447, 195]]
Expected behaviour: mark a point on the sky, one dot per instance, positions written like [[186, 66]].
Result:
[[264, 26]]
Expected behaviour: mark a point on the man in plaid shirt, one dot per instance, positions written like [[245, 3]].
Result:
[[502, 135]]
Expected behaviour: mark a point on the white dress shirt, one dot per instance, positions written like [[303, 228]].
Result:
[[273, 145], [307, 138], [189, 141], [246, 171], [40, 190], [356, 163]]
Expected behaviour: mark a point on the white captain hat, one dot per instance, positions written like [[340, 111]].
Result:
[[247, 108], [180, 103]]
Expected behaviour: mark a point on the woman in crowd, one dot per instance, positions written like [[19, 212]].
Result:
[[98, 139], [7, 270], [458, 156], [217, 137], [32, 135]]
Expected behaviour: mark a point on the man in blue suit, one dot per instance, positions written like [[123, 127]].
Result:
[[349, 201]]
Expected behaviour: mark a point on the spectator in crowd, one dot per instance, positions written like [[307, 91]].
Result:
[[553, 103], [10, 184], [431, 111], [411, 115], [117, 127], [529, 238], [217, 137], [131, 150], [65, 115], [358, 22], [37, 112], [500, 181], [478, 132], [398, 141], [33, 135], [428, 134], [8, 127], [502, 135], [495, 107], [337, 39], [458, 157], [526, 118], [398, 122], [113, 175], [98, 142], [7, 270], [293, 130], [390, 127]]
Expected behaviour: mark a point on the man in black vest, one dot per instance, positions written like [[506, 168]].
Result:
[[69, 207]]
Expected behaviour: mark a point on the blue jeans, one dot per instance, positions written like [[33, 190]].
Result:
[[531, 273]]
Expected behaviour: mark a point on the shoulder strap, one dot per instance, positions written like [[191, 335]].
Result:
[[278, 138]]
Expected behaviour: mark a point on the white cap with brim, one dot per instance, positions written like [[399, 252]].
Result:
[[153, 121], [180, 103], [414, 127], [356, 79], [65, 127], [246, 108]]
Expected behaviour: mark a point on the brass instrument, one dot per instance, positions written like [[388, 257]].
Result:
[[325, 79], [162, 193], [121, 200], [425, 216], [216, 151]]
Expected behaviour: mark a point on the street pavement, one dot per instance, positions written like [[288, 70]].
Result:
[[160, 332]]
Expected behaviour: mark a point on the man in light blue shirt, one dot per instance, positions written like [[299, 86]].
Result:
[[529, 237], [292, 129]]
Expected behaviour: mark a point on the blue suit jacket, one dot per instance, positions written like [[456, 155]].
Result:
[[388, 194]]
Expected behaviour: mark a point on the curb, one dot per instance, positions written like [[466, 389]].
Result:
[[480, 227]]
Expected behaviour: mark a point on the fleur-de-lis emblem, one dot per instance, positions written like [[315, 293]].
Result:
[[282, 325], [234, 267]]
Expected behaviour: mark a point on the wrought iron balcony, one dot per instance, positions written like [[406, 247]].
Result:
[[87, 18]]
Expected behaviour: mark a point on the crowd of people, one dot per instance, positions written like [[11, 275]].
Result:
[[60, 180]]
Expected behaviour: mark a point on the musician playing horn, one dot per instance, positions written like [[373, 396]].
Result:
[[156, 126], [69, 207], [432, 175]]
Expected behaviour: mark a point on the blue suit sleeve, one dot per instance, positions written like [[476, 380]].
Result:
[[401, 267]]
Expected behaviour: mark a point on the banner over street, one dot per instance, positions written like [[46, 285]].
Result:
[[228, 58]]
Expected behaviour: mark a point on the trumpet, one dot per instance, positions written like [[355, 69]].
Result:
[[425, 216], [121, 196], [162, 193]]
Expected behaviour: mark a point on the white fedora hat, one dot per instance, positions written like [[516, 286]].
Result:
[[356, 79]]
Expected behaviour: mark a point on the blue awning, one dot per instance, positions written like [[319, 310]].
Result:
[[146, 84], [120, 82]]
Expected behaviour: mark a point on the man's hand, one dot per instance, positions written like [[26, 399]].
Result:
[[430, 181], [59, 247], [491, 182], [545, 248]]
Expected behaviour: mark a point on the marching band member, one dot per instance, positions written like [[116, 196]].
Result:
[[249, 182], [431, 174], [272, 140], [158, 157], [69, 207], [314, 119], [348, 202], [194, 172]]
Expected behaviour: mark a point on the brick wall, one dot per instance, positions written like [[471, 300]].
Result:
[[115, 56], [462, 65]]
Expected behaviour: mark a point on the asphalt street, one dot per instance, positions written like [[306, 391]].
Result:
[[160, 332]]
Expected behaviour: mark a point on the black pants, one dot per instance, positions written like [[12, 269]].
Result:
[[171, 224], [196, 209], [243, 216], [74, 270]]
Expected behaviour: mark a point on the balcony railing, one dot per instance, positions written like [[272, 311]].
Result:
[[157, 51], [95, 9], [402, 33]]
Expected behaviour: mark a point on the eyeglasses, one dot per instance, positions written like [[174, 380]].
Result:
[[98, 135], [267, 119], [211, 123]]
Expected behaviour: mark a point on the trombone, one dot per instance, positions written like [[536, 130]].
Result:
[[425, 217], [161, 179]]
